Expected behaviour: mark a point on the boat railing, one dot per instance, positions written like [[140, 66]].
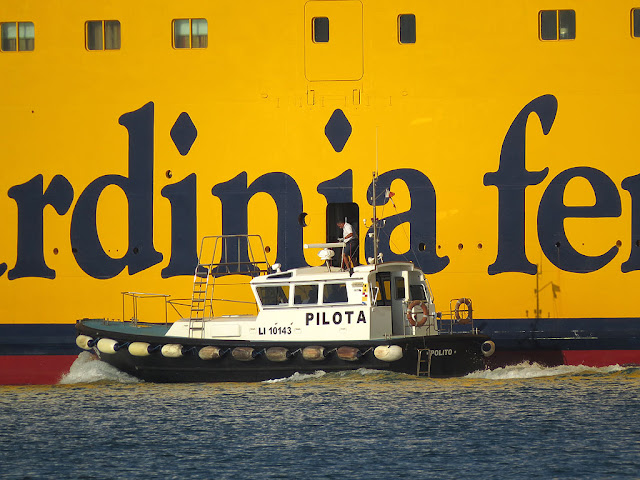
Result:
[[135, 298], [219, 256], [460, 314], [242, 254]]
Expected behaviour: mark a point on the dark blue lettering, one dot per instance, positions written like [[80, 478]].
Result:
[[138, 187], [31, 202], [632, 185], [511, 179], [339, 189], [552, 213], [235, 196], [421, 216], [184, 241]]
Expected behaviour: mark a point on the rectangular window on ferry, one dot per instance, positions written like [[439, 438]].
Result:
[[199, 33], [557, 24], [102, 35], [17, 36], [407, 28], [635, 23], [273, 296], [190, 33], [320, 29]]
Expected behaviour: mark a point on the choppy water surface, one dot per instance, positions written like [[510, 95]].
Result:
[[523, 421]]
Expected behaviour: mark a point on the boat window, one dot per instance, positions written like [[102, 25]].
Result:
[[417, 292], [305, 294], [320, 29], [407, 28], [399, 281], [190, 33], [383, 289], [102, 35], [17, 36], [334, 293], [635, 22], [273, 296], [557, 24]]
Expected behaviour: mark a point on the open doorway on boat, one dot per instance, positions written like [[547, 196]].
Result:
[[339, 212]]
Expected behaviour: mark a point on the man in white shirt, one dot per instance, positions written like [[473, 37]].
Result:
[[350, 252]]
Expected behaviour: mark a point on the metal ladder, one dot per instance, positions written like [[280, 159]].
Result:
[[419, 370], [208, 269], [201, 288]]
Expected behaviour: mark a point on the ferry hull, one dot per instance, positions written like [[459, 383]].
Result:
[[36, 354], [34, 369], [512, 159], [443, 356]]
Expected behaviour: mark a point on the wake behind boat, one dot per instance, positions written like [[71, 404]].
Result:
[[379, 316]]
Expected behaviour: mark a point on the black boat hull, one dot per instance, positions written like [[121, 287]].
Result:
[[442, 356]]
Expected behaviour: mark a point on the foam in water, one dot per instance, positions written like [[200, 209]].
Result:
[[534, 370], [298, 377], [88, 369]]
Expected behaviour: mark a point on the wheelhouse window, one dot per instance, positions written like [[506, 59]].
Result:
[[417, 292], [305, 294], [17, 36], [399, 281], [190, 33], [334, 293], [383, 289], [407, 28], [273, 295], [102, 35], [320, 29], [557, 24], [635, 23]]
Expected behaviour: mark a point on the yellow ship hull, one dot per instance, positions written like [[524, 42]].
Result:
[[511, 159]]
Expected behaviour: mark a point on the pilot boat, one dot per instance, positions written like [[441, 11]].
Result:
[[332, 318], [376, 316]]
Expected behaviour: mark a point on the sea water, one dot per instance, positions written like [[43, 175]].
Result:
[[524, 421]]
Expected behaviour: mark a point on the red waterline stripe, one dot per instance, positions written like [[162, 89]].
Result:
[[34, 369], [601, 358]]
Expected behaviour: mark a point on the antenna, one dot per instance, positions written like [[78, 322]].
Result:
[[375, 218]]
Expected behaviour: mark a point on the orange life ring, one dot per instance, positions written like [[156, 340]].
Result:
[[469, 311], [411, 319]]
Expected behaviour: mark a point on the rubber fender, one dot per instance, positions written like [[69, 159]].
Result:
[[350, 354], [139, 349], [172, 350], [210, 353], [278, 354], [388, 353], [244, 354], [488, 348], [106, 345], [313, 353], [83, 342]]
